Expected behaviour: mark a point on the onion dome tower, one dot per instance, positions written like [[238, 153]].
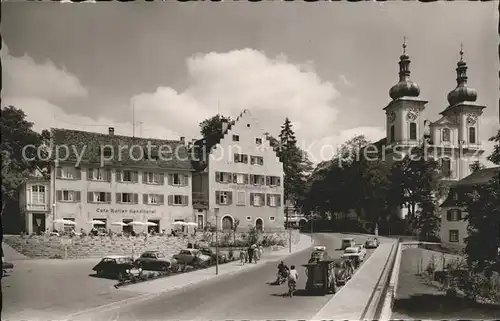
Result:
[[462, 93], [405, 87]]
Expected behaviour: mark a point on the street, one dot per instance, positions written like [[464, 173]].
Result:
[[246, 295]]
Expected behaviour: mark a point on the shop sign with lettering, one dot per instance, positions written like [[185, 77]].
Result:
[[125, 211]]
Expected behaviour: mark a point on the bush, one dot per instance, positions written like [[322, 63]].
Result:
[[479, 286], [431, 267]]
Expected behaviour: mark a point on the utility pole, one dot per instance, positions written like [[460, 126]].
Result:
[[216, 212]]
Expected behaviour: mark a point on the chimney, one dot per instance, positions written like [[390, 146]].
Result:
[[225, 125], [183, 140], [111, 131]]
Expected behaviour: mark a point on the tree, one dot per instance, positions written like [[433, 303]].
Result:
[[213, 125], [18, 165], [236, 223], [476, 166], [495, 155]]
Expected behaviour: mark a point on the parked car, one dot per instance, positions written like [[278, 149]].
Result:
[[355, 253], [193, 257], [115, 266], [372, 243], [209, 252], [156, 261], [343, 271]]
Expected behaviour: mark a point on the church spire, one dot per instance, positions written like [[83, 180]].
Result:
[[405, 87], [462, 92]]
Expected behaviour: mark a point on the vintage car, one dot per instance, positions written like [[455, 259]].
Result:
[[347, 242], [193, 257], [115, 266], [372, 243], [356, 254], [321, 276], [156, 261], [319, 253], [209, 252], [343, 271]]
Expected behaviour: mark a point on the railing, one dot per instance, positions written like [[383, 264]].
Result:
[[37, 207]]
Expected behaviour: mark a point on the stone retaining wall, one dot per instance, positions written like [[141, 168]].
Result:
[[90, 247]]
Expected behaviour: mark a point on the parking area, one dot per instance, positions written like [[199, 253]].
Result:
[[41, 289]]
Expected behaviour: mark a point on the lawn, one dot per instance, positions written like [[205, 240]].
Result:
[[417, 299]]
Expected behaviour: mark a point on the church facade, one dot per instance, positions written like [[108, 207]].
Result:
[[454, 139]]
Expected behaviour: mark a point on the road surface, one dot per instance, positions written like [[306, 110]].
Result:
[[246, 295]]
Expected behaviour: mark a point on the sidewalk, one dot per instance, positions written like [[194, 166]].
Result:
[[11, 255], [351, 301], [185, 279]]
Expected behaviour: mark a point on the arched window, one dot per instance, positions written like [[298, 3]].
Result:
[[472, 135], [227, 223], [259, 224], [393, 135], [413, 131], [446, 134]]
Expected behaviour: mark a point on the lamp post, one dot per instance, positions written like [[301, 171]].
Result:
[[216, 212]]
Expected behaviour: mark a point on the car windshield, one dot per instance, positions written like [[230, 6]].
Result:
[[123, 260], [351, 250], [148, 255], [184, 252], [108, 260]]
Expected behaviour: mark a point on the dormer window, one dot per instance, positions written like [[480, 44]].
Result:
[[106, 151], [236, 138], [446, 135], [472, 135], [413, 131]]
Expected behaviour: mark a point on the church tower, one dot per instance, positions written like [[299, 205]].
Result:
[[459, 128], [404, 122]]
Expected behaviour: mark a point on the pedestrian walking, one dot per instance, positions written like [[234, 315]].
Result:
[[243, 257], [250, 254]]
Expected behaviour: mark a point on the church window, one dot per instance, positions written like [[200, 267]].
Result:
[[392, 134], [446, 167], [413, 131], [472, 135], [446, 134]]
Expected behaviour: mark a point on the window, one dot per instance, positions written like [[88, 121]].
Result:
[[240, 158], [153, 199], [472, 135], [152, 178], [240, 198], [236, 138], [68, 196], [38, 194], [176, 179], [106, 151], [178, 200], [413, 131], [249, 218], [257, 179], [273, 181], [393, 138], [446, 167], [248, 125], [127, 198], [258, 141], [272, 200], [256, 160], [446, 135], [97, 174], [272, 218], [127, 176], [454, 215], [453, 235], [240, 179], [67, 172], [222, 177], [256, 199], [99, 197], [223, 199]]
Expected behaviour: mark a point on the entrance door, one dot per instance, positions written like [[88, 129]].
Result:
[[127, 228], [259, 224], [38, 224], [156, 228], [200, 221]]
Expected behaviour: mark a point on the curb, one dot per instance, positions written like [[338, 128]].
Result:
[[390, 295], [146, 296]]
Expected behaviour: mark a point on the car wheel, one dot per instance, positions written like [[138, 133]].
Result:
[[164, 268]]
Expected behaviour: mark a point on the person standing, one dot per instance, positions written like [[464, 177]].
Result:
[[250, 254]]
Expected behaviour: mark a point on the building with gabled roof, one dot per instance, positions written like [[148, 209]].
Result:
[[238, 178]]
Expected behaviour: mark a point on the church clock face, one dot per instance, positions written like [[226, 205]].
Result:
[[471, 119], [391, 117], [412, 114]]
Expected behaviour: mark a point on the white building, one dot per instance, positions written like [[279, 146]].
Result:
[[112, 179], [239, 177]]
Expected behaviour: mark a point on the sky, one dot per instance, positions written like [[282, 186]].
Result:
[[326, 66]]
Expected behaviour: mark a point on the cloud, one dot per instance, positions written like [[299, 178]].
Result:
[[23, 77], [344, 80]]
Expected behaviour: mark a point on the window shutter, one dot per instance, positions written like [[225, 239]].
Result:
[[235, 178], [245, 178], [229, 198], [78, 196], [118, 198], [217, 177], [162, 179], [236, 158], [252, 196], [59, 195], [262, 180], [107, 175], [58, 172], [144, 198], [135, 177], [252, 179], [144, 178], [161, 199], [278, 181], [90, 171], [108, 197], [136, 198], [185, 200], [252, 160], [245, 159], [78, 173], [118, 176], [268, 199], [170, 179], [186, 180], [268, 180], [217, 197], [170, 199], [459, 215], [448, 215], [278, 200], [90, 197]]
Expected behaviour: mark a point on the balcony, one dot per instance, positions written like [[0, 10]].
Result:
[[200, 200], [37, 207]]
